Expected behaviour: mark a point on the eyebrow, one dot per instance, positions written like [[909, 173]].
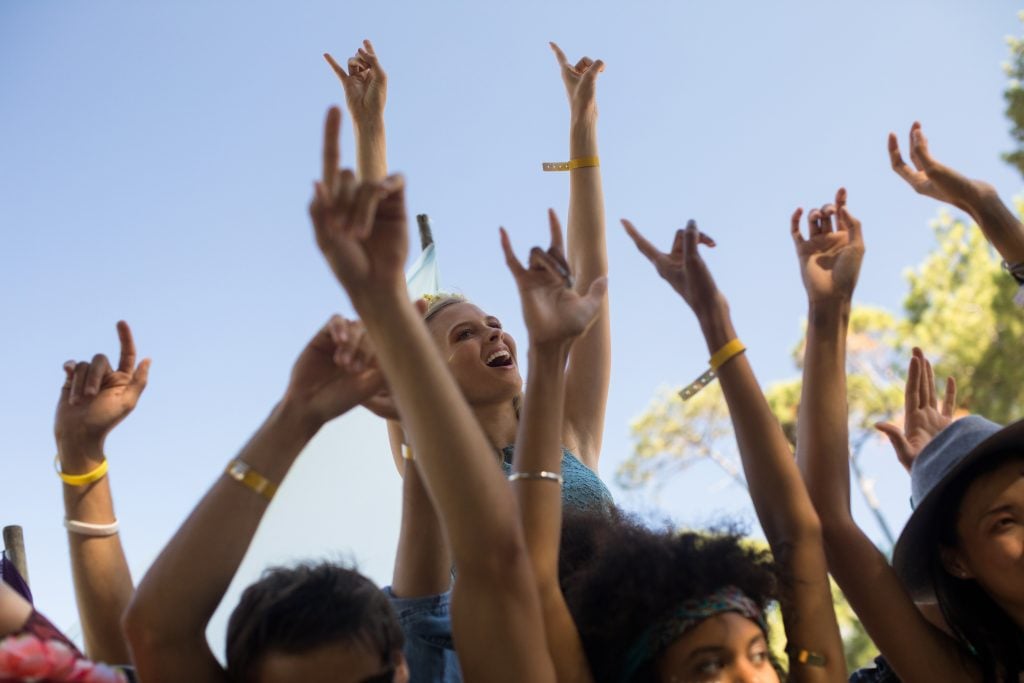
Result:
[[996, 510]]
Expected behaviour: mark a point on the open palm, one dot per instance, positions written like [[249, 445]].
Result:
[[831, 255]]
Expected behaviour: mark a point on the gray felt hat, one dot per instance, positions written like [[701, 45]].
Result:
[[953, 450]]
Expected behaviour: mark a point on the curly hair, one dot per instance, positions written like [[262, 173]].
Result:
[[619, 577], [297, 609]]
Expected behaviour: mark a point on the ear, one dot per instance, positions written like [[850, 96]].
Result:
[[401, 668], [955, 563]]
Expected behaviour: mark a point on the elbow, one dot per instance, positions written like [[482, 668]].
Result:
[[504, 553]]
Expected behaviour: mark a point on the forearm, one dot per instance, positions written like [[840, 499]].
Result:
[[1000, 224], [538, 449], [449, 445], [587, 248], [779, 496], [102, 580], [422, 562], [822, 429], [182, 589], [371, 150]]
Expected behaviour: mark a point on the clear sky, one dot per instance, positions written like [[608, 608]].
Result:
[[156, 160]]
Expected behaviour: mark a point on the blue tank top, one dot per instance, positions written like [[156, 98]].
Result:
[[582, 489]]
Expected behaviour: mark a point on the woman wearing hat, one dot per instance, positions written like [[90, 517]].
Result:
[[963, 546]]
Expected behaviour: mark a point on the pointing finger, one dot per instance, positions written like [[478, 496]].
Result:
[[127, 361], [646, 248], [332, 155], [510, 256], [794, 227], [337, 68]]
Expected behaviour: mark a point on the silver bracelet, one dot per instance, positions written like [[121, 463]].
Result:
[[542, 475], [89, 529]]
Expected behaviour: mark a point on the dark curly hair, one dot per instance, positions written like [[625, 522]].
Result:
[[619, 577], [297, 609]]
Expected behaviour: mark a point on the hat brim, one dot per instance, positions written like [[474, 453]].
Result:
[[910, 554]]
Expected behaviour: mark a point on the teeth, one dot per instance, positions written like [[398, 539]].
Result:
[[496, 355]]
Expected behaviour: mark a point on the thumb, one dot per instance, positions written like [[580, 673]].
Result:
[[598, 289], [899, 442]]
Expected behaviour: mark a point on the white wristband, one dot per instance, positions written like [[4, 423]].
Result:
[[87, 529]]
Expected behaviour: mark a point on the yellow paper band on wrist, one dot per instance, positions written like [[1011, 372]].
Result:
[[720, 358], [251, 479], [726, 353], [407, 453], [81, 479], [583, 162]]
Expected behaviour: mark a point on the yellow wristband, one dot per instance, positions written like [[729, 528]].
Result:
[[81, 479], [583, 162], [407, 453], [250, 478], [720, 358], [726, 354], [801, 656]]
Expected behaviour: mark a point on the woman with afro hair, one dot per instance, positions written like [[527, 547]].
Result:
[[660, 606]]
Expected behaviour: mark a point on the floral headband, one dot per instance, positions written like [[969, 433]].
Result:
[[660, 635]]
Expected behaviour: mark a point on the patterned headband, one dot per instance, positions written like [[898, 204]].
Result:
[[663, 633]]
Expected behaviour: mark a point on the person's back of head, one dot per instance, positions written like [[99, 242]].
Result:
[[320, 612]]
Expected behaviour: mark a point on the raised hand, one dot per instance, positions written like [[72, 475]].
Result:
[[552, 309], [922, 418], [932, 179], [361, 227], [365, 84], [96, 397], [682, 267], [579, 83], [335, 372], [831, 255]]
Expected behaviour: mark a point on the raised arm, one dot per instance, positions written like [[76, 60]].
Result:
[[366, 93], [496, 620], [830, 258], [586, 392], [780, 499], [555, 316], [94, 399], [166, 622], [978, 198]]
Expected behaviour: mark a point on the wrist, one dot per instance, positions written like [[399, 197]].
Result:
[[718, 330], [829, 312], [369, 124], [583, 137], [79, 456], [292, 415], [549, 355]]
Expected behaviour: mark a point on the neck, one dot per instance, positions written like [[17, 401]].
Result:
[[498, 420]]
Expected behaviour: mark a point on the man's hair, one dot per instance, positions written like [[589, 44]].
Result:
[[297, 609]]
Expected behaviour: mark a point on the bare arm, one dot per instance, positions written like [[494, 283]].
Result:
[[830, 262], [780, 499], [555, 316], [589, 371], [979, 199], [94, 399], [496, 617], [166, 622], [366, 89]]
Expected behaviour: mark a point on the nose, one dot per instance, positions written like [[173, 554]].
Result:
[[495, 334]]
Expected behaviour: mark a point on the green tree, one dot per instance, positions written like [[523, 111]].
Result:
[[1014, 96]]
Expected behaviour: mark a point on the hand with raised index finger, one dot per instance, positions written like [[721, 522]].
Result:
[[580, 82], [554, 312], [683, 267], [831, 254], [361, 227], [95, 397], [922, 417], [365, 84]]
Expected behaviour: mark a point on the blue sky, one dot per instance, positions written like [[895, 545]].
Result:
[[156, 160]]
